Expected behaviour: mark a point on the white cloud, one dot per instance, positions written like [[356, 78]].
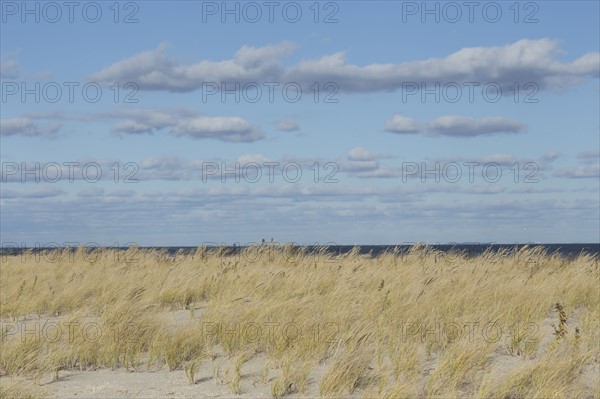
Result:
[[551, 156], [288, 125], [181, 121], [522, 61], [152, 70], [186, 123], [361, 154], [26, 127], [454, 126], [462, 126], [44, 192], [231, 129], [402, 124], [145, 120], [91, 192], [122, 194], [589, 167], [9, 69], [531, 168], [579, 172], [589, 156], [252, 158]]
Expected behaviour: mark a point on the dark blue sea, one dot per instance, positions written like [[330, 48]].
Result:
[[566, 250]]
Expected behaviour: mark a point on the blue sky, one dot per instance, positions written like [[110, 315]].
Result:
[[376, 122]]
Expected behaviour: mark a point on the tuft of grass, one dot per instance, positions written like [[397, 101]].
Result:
[[15, 387], [190, 371], [349, 365], [235, 385], [21, 357], [292, 379], [178, 347]]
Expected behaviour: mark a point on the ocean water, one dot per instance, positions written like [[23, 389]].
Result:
[[566, 250]]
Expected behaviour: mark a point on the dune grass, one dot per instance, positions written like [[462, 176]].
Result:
[[416, 324]]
